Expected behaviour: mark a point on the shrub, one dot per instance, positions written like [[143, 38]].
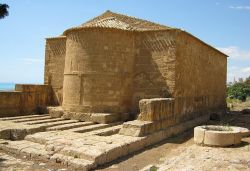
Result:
[[238, 91]]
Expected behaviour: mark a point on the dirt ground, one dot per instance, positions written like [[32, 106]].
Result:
[[181, 154], [13, 163], [176, 153]]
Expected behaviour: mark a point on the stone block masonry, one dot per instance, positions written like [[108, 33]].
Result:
[[26, 99], [78, 150], [155, 115], [156, 109], [114, 61], [55, 50], [98, 70]]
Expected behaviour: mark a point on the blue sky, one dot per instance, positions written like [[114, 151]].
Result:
[[224, 24]]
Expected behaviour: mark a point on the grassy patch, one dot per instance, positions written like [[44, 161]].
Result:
[[153, 168]]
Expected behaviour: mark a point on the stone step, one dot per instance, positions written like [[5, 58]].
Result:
[[84, 152], [43, 121], [14, 146], [103, 118], [55, 111], [26, 148], [85, 157], [93, 127], [108, 131], [31, 119], [69, 126], [58, 123], [96, 153], [41, 137], [22, 117], [73, 162], [88, 149], [88, 128]]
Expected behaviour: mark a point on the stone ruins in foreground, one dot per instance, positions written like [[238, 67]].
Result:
[[117, 84]]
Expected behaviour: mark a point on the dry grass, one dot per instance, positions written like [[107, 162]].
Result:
[[237, 105]]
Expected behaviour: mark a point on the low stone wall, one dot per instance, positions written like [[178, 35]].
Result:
[[158, 114], [9, 103], [26, 99], [156, 109], [155, 115]]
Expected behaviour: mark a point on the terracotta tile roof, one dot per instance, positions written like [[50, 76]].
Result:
[[109, 22], [123, 22], [134, 23], [119, 21]]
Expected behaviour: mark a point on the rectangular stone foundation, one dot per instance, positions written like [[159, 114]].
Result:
[[57, 112], [156, 109], [155, 115], [97, 117], [96, 154], [140, 128], [174, 130], [25, 100]]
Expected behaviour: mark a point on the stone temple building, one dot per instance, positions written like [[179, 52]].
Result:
[[160, 80], [109, 63]]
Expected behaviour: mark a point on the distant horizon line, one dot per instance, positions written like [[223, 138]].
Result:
[[20, 83]]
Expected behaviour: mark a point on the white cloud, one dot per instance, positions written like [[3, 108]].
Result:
[[246, 70], [236, 72], [240, 7], [239, 65], [235, 52]]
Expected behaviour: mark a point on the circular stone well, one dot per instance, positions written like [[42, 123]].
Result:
[[213, 135]]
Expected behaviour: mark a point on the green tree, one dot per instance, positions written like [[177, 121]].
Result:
[[3, 10], [238, 91], [247, 82]]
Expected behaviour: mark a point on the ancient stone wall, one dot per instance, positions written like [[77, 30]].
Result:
[[98, 70], [156, 109], [155, 114], [154, 68], [26, 99], [200, 78], [10, 103], [54, 66], [110, 70]]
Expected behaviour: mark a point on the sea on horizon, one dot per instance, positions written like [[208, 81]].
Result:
[[7, 86]]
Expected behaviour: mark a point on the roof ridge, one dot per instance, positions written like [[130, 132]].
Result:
[[135, 22], [137, 18], [109, 22], [122, 22]]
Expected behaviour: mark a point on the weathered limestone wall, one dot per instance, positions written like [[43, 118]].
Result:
[[156, 109], [35, 98], [54, 66], [10, 103], [98, 70], [200, 78], [154, 69], [26, 99], [155, 114]]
